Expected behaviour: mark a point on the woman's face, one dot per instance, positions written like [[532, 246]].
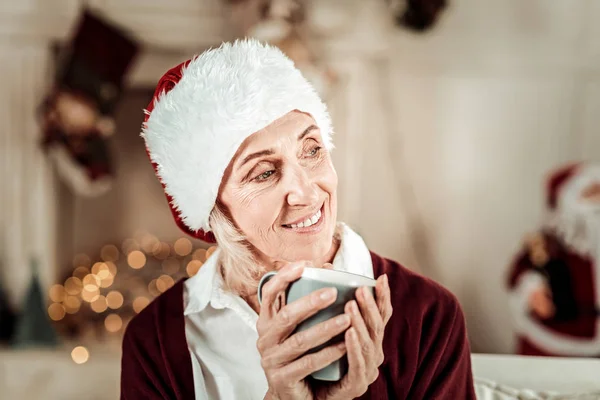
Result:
[[280, 189]]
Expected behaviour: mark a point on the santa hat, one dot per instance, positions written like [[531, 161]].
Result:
[[202, 111]]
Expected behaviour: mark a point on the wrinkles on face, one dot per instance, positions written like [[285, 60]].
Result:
[[282, 174]]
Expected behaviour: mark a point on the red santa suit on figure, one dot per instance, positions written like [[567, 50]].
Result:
[[555, 280]]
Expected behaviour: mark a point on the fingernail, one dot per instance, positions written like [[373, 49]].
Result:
[[365, 292], [341, 345], [354, 306], [348, 308], [328, 294], [359, 293], [342, 320]]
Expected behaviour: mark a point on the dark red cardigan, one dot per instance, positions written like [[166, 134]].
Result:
[[427, 353]]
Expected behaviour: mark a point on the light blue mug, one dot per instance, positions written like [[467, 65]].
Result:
[[313, 279]]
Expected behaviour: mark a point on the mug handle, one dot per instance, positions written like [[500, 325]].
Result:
[[266, 277]]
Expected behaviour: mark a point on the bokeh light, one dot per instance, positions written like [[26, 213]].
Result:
[[112, 268], [81, 260], [101, 270], [161, 251], [99, 305], [140, 303], [148, 242], [81, 272], [193, 267], [56, 311], [136, 259], [210, 251], [57, 293], [113, 322], [164, 283], [110, 252], [114, 299], [90, 293], [80, 355], [73, 286], [90, 282], [106, 283], [72, 304], [199, 254], [182, 247], [152, 289]]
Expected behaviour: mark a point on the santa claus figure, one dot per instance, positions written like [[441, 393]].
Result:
[[555, 280]]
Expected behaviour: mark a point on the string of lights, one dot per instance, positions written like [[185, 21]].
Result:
[[105, 292]]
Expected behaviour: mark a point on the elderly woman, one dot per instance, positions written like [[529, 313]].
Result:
[[241, 143]]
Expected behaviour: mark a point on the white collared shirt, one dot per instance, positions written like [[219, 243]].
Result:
[[220, 327]]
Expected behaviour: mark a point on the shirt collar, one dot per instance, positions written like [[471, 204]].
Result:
[[206, 286]]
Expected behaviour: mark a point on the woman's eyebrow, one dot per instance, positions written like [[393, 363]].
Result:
[[269, 152], [307, 131], [261, 153]]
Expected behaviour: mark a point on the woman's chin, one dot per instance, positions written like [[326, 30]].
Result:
[[309, 251]]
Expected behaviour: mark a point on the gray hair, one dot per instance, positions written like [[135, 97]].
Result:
[[241, 271]]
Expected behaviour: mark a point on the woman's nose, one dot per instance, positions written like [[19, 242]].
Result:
[[301, 191]]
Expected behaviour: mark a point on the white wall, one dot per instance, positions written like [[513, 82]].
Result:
[[459, 128]]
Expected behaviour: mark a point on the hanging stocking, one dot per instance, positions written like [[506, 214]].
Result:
[[77, 115]]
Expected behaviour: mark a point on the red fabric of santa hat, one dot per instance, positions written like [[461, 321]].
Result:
[[202, 111], [557, 181]]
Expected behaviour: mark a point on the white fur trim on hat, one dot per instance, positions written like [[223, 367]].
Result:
[[224, 96]]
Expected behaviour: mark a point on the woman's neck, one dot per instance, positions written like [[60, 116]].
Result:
[[273, 265]]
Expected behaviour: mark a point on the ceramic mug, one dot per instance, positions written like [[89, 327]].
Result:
[[313, 279]]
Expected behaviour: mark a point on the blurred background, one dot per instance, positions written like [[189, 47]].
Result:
[[448, 117]]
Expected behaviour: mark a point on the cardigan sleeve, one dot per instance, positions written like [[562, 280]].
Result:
[[155, 361], [444, 362], [141, 375], [427, 349]]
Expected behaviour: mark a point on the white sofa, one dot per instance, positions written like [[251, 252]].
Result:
[[504, 377], [49, 375]]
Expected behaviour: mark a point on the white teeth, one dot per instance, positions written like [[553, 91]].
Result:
[[316, 217], [309, 221]]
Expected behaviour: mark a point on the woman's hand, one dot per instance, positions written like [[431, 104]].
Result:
[[364, 342], [279, 351]]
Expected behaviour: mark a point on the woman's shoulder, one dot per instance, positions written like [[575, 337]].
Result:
[[425, 342], [159, 314], [410, 287]]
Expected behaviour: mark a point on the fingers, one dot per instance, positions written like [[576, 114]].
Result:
[[301, 342], [279, 283], [303, 367], [357, 366], [360, 328], [384, 298], [370, 313], [285, 321]]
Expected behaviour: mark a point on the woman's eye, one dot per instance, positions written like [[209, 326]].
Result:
[[264, 175], [314, 151]]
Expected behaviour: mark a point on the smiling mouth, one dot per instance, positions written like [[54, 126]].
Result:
[[308, 222]]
